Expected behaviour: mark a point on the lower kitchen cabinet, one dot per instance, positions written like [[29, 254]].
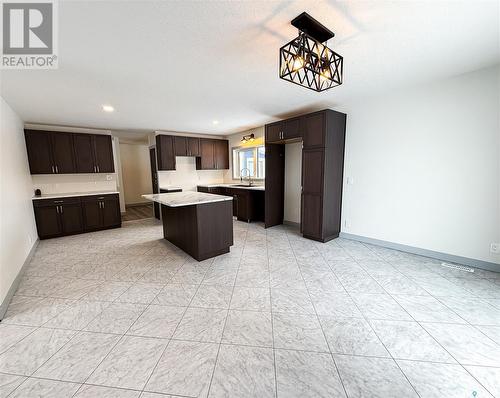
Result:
[[100, 212], [248, 204], [75, 215]]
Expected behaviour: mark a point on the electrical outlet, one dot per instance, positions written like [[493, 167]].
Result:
[[109, 177], [495, 248], [350, 180], [347, 224]]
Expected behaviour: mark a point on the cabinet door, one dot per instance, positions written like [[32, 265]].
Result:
[[222, 154], [71, 218], [165, 152], [291, 129], [273, 132], [193, 146], [311, 216], [180, 146], [110, 208], [207, 152], [63, 153], [103, 154], [91, 211], [312, 170], [243, 206], [275, 184], [39, 150], [314, 129], [84, 153], [48, 222]]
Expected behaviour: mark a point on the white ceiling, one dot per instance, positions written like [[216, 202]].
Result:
[[177, 66]]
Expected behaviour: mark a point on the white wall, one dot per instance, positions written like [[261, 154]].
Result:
[[293, 182], [136, 172], [17, 231], [187, 177], [425, 164], [235, 142]]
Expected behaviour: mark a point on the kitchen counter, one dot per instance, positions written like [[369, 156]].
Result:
[[170, 187], [72, 194], [187, 198], [199, 223], [236, 186]]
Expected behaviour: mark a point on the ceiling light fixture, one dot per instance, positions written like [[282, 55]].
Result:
[[307, 61], [108, 108], [248, 138]]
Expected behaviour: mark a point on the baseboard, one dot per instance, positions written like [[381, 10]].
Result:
[[486, 265], [17, 280], [291, 223]]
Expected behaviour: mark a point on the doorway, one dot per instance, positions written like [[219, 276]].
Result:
[[136, 177]]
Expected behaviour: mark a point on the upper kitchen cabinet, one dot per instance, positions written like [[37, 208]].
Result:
[[186, 146], [221, 154], [282, 131], [93, 153], [50, 152], [214, 155], [206, 161], [103, 154], [165, 152], [54, 152], [210, 154]]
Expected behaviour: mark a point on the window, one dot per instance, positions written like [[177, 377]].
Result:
[[251, 161]]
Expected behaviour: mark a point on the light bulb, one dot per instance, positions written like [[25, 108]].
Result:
[[298, 63]]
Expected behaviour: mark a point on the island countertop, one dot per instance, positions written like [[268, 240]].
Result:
[[187, 198]]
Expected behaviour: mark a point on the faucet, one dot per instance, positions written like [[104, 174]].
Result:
[[249, 176]]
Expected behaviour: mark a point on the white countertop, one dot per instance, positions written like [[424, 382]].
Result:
[[253, 187], [170, 187], [72, 194], [187, 198]]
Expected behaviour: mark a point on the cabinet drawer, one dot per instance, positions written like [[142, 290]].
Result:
[[56, 201], [93, 198]]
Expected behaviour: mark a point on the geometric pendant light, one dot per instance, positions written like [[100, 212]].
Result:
[[307, 61]]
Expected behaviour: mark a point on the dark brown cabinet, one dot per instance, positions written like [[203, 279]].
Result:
[[58, 217], [165, 153], [221, 154], [74, 215], [103, 154], [323, 136], [207, 155], [101, 212], [280, 132], [180, 146], [54, 152], [186, 146], [193, 146], [50, 152], [62, 153], [84, 153], [210, 154], [248, 204]]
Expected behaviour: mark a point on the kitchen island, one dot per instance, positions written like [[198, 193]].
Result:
[[199, 223]]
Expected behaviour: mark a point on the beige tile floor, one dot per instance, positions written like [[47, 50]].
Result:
[[123, 313]]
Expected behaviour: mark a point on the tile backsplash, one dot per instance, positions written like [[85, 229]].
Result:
[[187, 177], [65, 183]]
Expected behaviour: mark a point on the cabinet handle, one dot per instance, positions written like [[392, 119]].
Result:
[[53, 171], [103, 205], [57, 209], [98, 169], [57, 170], [58, 201], [61, 209]]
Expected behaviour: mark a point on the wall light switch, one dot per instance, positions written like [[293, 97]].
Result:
[[495, 248]]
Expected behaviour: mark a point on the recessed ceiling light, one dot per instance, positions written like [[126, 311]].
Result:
[[215, 122], [108, 108]]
